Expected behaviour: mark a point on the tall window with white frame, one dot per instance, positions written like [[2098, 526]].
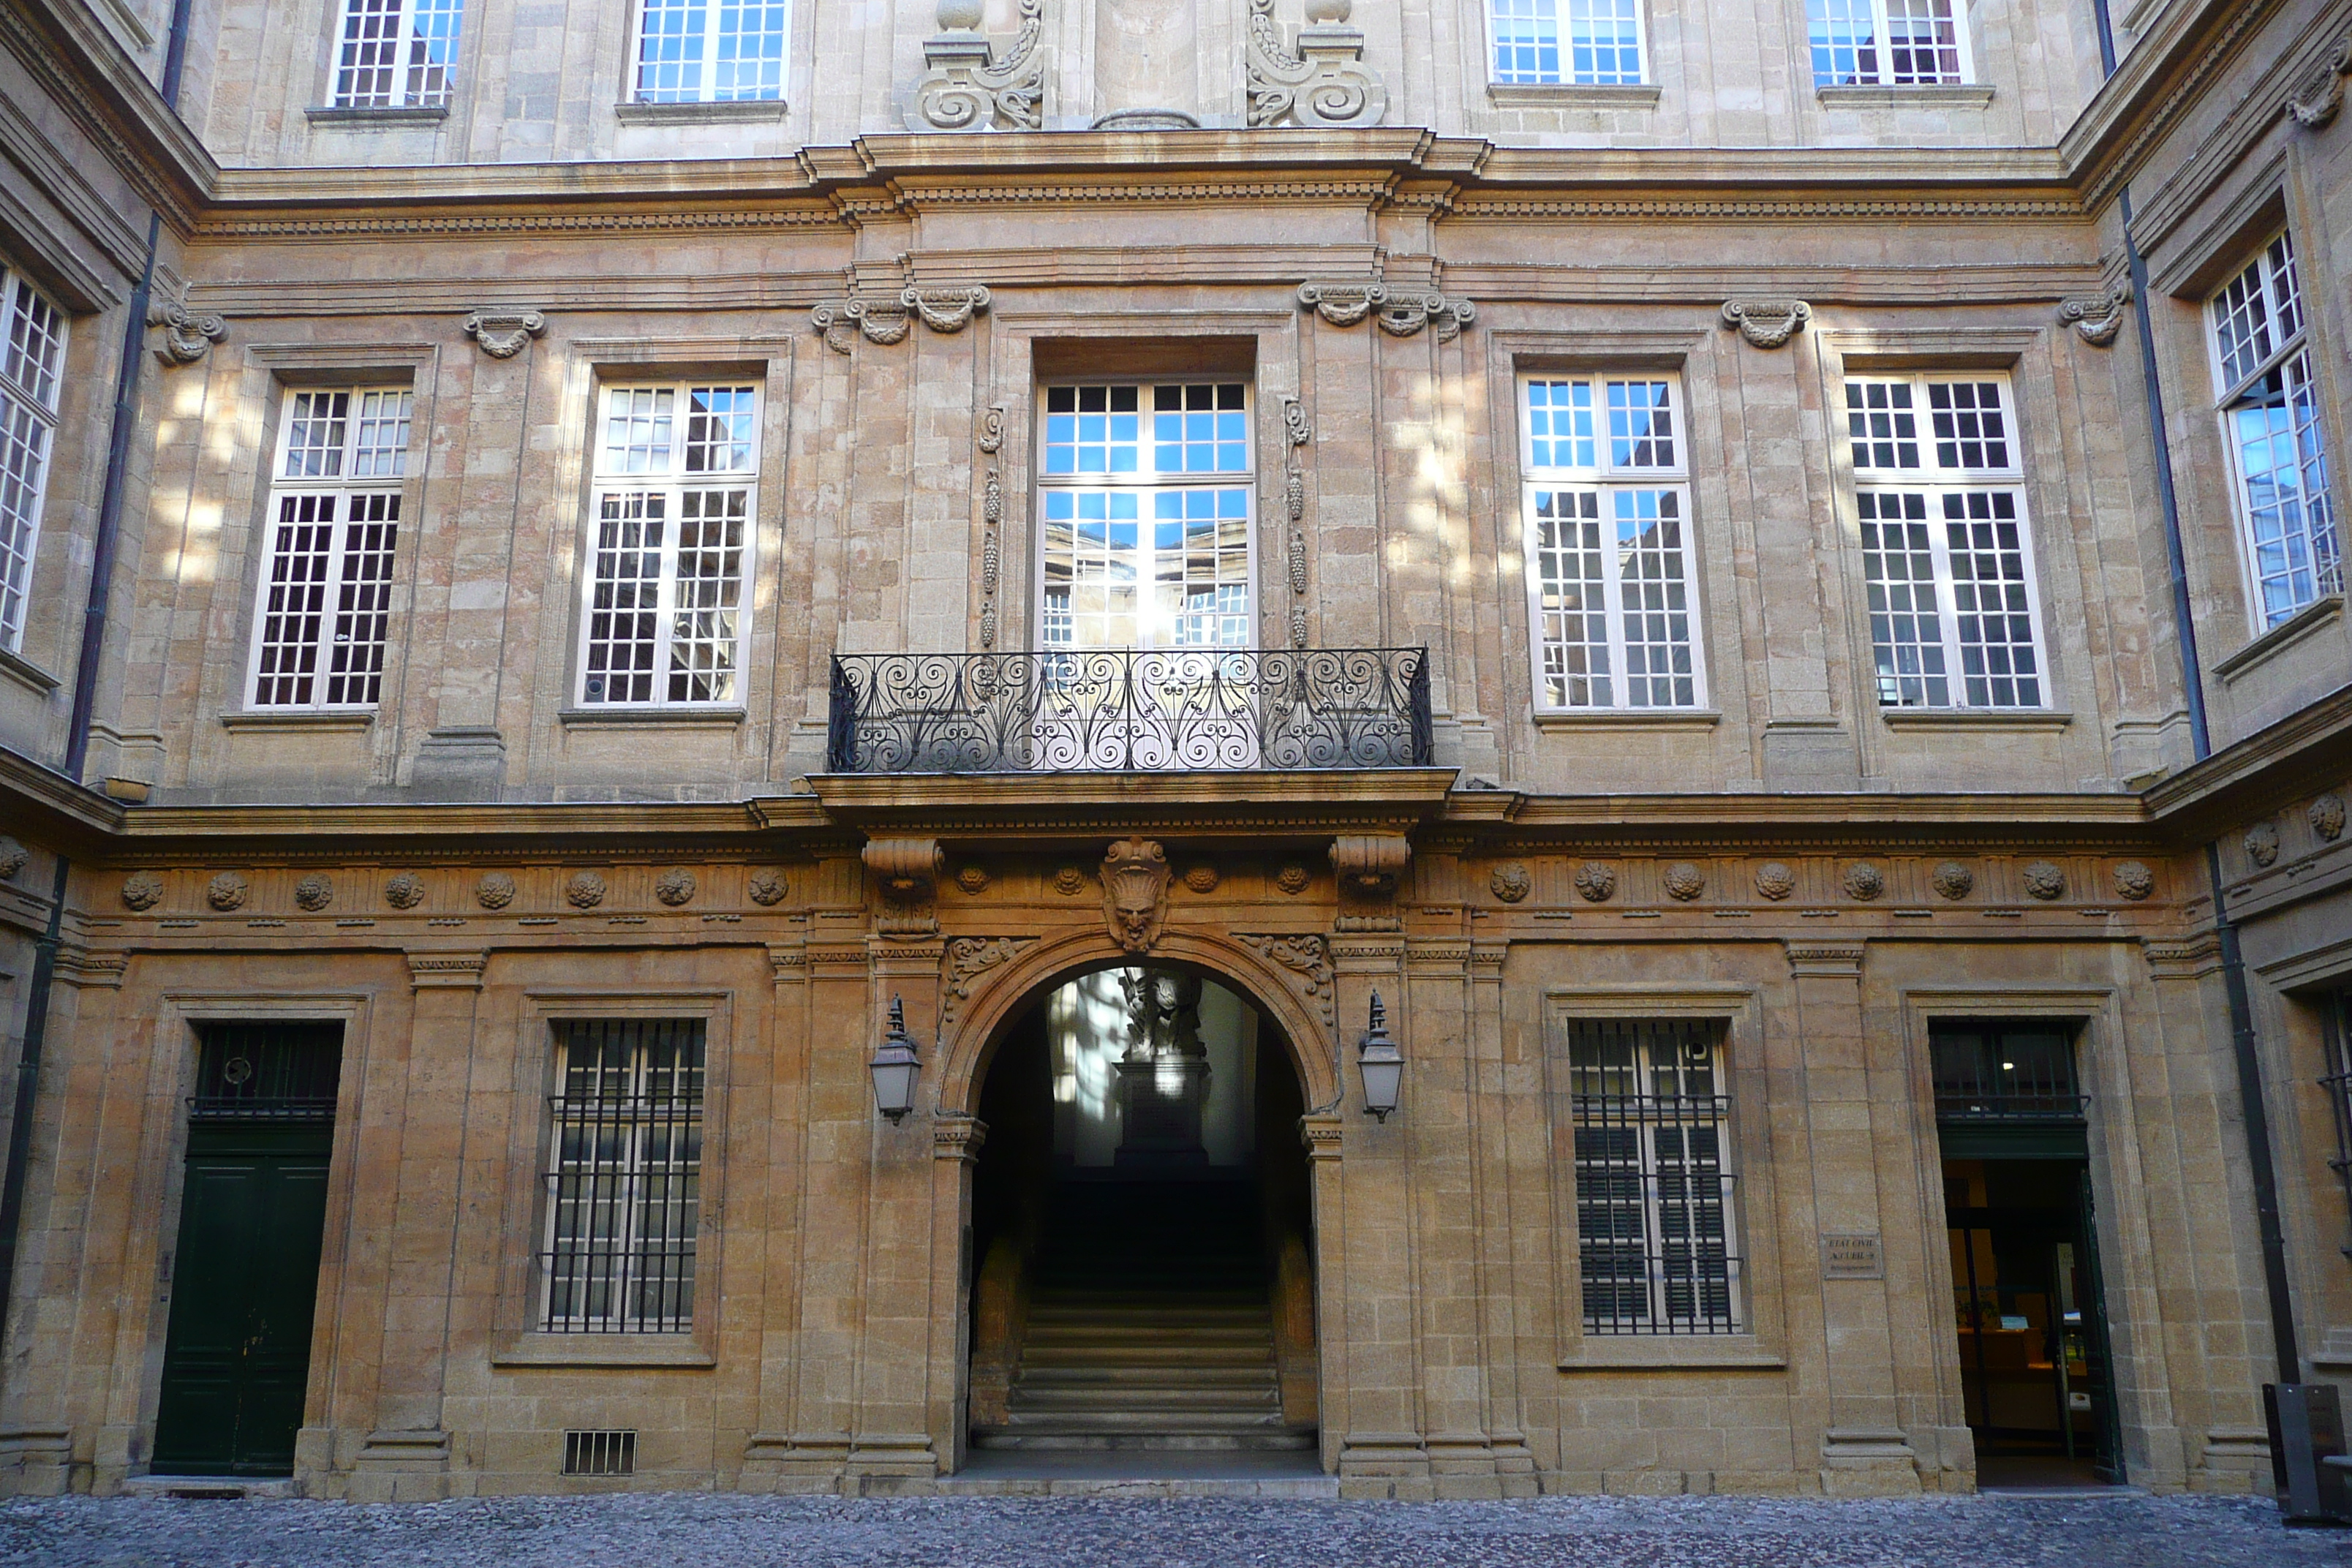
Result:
[[334, 525], [397, 53], [624, 1177], [1948, 557], [1145, 499], [710, 51], [1553, 43], [1887, 43], [1654, 1215], [676, 469], [1606, 483], [32, 360], [2270, 415]]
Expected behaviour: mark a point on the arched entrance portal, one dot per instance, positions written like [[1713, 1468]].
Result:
[[1142, 1217]]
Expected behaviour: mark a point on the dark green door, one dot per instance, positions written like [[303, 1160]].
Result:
[[244, 1281]]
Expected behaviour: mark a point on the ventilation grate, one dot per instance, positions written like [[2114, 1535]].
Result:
[[600, 1453]]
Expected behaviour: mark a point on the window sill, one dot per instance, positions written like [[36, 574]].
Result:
[[1571, 95], [734, 110], [655, 718], [28, 674], [1655, 1353], [298, 719], [605, 1350], [1955, 95], [1636, 717], [422, 114], [2316, 616], [1975, 718]]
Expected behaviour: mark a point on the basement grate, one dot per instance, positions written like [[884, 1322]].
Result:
[[607, 1453]]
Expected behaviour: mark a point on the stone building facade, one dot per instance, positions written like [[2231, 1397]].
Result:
[[1733, 571]]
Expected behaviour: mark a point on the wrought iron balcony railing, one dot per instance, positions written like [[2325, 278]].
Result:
[[1129, 710], [1972, 1105]]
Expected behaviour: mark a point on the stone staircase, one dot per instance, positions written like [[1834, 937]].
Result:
[[1150, 1326]]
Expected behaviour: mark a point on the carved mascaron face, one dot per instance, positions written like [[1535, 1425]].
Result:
[[1135, 888]]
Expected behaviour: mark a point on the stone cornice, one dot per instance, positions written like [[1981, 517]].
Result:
[[39, 802], [2307, 749], [65, 46], [2153, 88]]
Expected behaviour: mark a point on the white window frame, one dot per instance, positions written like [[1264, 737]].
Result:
[[1934, 481], [1565, 76], [672, 483], [33, 330], [347, 551], [423, 65], [707, 62], [2290, 354], [1606, 479], [1882, 27]]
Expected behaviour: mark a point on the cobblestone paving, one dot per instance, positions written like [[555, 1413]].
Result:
[[676, 1530]]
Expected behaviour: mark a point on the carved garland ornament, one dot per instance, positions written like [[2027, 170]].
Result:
[[1135, 892], [968, 87], [188, 335], [2096, 317], [1307, 957], [2319, 98], [942, 309], [505, 333], [1767, 324], [1401, 315], [1325, 83], [1298, 432]]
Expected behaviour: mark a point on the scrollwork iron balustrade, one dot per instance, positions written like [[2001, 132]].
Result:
[[1129, 710]]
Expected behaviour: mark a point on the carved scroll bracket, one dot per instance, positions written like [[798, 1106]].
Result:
[[842, 321], [1767, 324], [2315, 104], [968, 958], [1308, 960], [907, 870], [1324, 83], [968, 85], [1370, 867], [2096, 317], [1401, 313], [188, 336], [504, 333]]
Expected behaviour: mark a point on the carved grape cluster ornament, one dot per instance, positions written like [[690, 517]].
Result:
[[1292, 879], [2045, 879], [314, 892], [674, 886], [1953, 880], [142, 890], [1595, 881], [1069, 881], [1865, 881], [403, 890], [1511, 882], [2262, 843], [1775, 882], [2327, 815], [2134, 880], [1201, 878], [585, 890], [227, 891], [973, 880], [1684, 881], [495, 890]]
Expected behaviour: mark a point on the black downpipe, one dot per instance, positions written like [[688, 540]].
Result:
[[2245, 1045]]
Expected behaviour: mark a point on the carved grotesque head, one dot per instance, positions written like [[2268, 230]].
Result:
[[1135, 892]]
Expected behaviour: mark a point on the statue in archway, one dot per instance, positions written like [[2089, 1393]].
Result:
[[1163, 1078]]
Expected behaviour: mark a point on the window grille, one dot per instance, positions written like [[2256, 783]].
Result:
[[2270, 415], [1887, 43], [1955, 614], [2337, 1082], [1654, 1191], [624, 1190], [32, 359], [397, 53], [606, 1453], [710, 51], [1593, 43], [2005, 1072], [676, 470], [1146, 498], [1607, 503], [325, 612], [267, 1072]]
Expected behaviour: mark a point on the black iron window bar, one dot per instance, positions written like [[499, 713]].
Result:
[[2004, 1075], [1131, 710], [2338, 1085], [624, 1189], [267, 1072]]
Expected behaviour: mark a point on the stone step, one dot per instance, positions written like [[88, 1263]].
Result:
[[1132, 1421], [1246, 1406], [1287, 1439], [1200, 1358], [1220, 1383]]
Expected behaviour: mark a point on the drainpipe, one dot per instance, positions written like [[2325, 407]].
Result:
[[2244, 1042], [125, 420]]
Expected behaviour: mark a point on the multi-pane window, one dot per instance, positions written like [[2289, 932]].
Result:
[[1954, 621], [677, 467], [397, 53], [334, 523], [2270, 415], [710, 51], [1607, 499], [1654, 1220], [1887, 43], [1145, 493], [31, 360], [625, 1177], [1595, 43]]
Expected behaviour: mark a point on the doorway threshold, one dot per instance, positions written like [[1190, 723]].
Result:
[[1141, 1472], [2036, 1476]]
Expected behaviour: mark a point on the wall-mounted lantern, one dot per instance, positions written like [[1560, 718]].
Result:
[[895, 1067], [1381, 1063]]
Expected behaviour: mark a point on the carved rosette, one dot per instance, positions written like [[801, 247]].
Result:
[[227, 891], [1865, 881], [1308, 958], [1069, 881], [188, 335], [585, 890], [13, 857], [767, 887], [314, 892], [1595, 881], [404, 889], [495, 890], [1767, 324], [1511, 882], [1953, 880], [2262, 843], [1400, 315], [2096, 317], [968, 85], [1292, 879], [973, 880], [2318, 99], [1324, 84], [2327, 816], [674, 886], [2046, 880], [1201, 878], [142, 890], [505, 333], [1684, 881], [2134, 880], [1775, 882], [1135, 892]]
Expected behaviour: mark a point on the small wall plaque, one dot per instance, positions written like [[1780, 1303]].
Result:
[[1852, 1258]]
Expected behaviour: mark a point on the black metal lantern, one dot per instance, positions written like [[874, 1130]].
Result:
[[895, 1067], [1381, 1063]]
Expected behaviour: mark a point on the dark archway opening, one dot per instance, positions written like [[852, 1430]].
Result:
[[1142, 1220]]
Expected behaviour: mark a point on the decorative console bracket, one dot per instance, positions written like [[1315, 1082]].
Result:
[[2096, 317], [879, 322], [1401, 313], [968, 86], [504, 333], [1767, 324], [2315, 102], [1325, 83], [187, 337]]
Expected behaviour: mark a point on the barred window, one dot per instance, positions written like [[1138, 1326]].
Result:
[[1887, 43], [325, 612], [1955, 614], [710, 51], [626, 1177], [2270, 415], [1653, 1188], [32, 359], [397, 53], [670, 550], [1607, 501], [1595, 43]]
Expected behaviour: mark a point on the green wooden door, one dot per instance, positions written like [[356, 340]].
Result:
[[237, 1356]]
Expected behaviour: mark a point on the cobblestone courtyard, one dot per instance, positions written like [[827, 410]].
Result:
[[705, 1532]]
